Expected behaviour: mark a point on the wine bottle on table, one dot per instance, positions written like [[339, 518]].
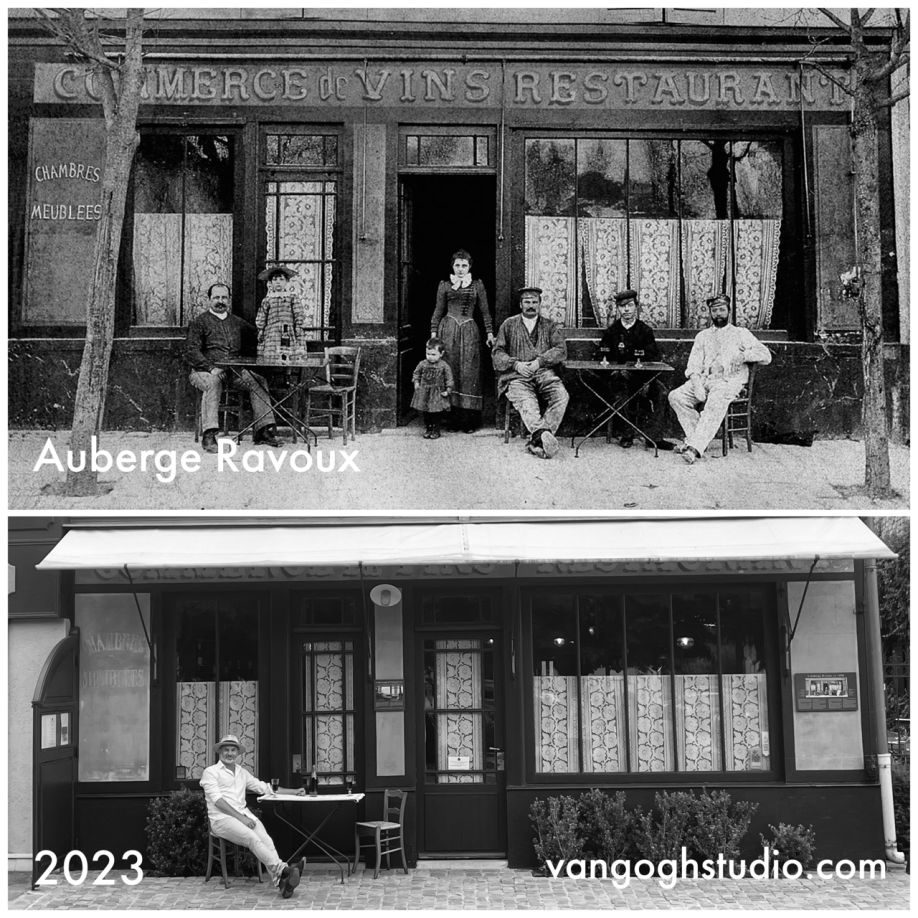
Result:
[[313, 782]]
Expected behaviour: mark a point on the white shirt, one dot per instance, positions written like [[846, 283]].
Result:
[[219, 782], [725, 354], [219, 315], [529, 323]]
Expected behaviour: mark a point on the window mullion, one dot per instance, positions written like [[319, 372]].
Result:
[[720, 691]]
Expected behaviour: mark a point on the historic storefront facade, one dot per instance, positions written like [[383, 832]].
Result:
[[477, 665], [571, 152]]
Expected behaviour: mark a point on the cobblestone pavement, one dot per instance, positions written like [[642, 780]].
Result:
[[431, 887], [397, 469]]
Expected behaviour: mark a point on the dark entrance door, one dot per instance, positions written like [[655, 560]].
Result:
[[54, 769], [462, 790], [438, 215]]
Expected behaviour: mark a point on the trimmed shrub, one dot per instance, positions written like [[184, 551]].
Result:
[[556, 824], [607, 827], [791, 843], [177, 834], [719, 825], [901, 794], [666, 829]]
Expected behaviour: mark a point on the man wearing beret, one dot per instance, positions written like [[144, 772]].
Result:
[[528, 349], [624, 337], [225, 785], [718, 368], [216, 335]]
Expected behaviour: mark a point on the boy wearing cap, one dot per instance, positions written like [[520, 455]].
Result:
[[527, 350], [718, 368], [624, 337], [225, 785]]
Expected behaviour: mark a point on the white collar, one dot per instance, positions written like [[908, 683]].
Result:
[[529, 323], [626, 327], [220, 315], [460, 283]]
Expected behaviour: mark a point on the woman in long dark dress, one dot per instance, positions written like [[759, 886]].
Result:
[[453, 322]]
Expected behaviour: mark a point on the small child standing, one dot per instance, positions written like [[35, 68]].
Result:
[[433, 384], [281, 319]]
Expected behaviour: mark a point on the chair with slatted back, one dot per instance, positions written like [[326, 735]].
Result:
[[738, 419], [386, 833], [335, 403]]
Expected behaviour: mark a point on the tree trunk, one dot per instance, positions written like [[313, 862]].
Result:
[[867, 214], [89, 405]]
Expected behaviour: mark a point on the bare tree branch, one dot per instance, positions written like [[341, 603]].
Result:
[[70, 28], [867, 16], [839, 22], [896, 97], [819, 69], [891, 66]]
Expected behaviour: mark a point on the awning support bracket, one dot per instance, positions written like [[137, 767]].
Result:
[[143, 624], [790, 630]]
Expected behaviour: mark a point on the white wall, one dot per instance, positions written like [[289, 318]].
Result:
[[30, 642]]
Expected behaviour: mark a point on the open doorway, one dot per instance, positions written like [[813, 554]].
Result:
[[439, 214]]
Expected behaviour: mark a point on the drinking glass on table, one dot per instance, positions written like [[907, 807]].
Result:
[[349, 786], [275, 784], [637, 357]]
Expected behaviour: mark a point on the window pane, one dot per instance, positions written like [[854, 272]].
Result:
[[114, 734], [412, 145], [550, 177], [482, 156], [295, 150], [745, 686], [758, 169], [602, 684], [445, 150], [696, 682], [649, 682], [183, 224], [652, 178], [555, 704], [601, 188], [705, 179]]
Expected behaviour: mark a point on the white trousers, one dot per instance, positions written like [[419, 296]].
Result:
[[700, 427], [256, 840]]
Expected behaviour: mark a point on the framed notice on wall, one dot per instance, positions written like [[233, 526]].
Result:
[[820, 692]]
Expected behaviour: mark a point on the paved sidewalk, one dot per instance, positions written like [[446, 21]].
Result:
[[400, 470], [439, 886]]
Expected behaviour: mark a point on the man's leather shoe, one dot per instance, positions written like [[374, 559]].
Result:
[[290, 882], [664, 445], [267, 436], [627, 441], [209, 441], [549, 444]]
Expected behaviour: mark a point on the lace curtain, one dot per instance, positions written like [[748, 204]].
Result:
[[300, 224], [581, 265], [653, 740], [196, 722], [458, 687], [331, 673], [163, 293]]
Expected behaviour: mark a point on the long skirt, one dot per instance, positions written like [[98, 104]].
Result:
[[463, 352]]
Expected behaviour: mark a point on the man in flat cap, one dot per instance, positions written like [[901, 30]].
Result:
[[529, 348], [718, 368], [225, 786], [215, 335], [625, 336]]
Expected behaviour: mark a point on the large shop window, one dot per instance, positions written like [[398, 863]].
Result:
[[300, 219], [676, 220], [114, 721], [640, 682], [216, 689], [181, 236]]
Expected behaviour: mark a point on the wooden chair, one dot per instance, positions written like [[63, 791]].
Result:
[[738, 419], [386, 832], [338, 397], [216, 851], [508, 411], [231, 406]]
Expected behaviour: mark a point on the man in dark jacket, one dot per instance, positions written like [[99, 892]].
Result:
[[528, 349], [625, 340], [214, 336]]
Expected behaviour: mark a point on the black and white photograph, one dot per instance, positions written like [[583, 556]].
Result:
[[477, 258], [479, 712], [458, 458]]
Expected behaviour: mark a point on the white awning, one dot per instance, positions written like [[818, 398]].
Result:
[[723, 539]]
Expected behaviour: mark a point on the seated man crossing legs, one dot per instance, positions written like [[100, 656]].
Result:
[[225, 785], [718, 368], [528, 349]]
